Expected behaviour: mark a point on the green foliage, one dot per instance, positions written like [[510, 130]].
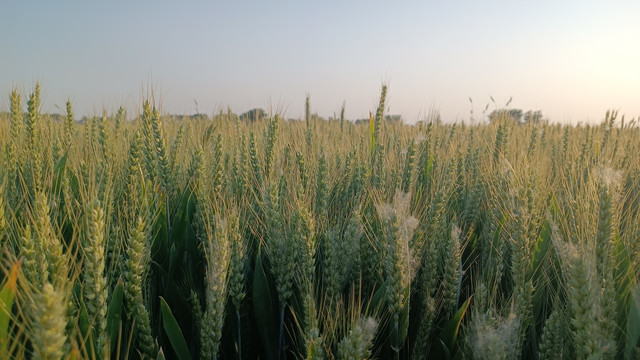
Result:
[[253, 115], [172, 328], [633, 325], [115, 315]]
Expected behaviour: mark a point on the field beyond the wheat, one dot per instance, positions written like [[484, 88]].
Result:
[[148, 236]]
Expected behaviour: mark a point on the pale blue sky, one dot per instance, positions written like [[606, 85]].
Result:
[[571, 59]]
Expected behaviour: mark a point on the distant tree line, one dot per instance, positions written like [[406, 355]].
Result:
[[516, 115], [258, 114], [388, 118]]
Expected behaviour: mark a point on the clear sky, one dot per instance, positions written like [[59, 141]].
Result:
[[571, 59]]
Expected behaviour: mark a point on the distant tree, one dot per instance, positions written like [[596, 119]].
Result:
[[254, 115], [506, 114], [55, 117], [393, 118], [532, 116], [516, 115], [199, 116], [182, 117]]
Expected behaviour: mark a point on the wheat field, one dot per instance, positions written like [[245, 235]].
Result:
[[148, 236]]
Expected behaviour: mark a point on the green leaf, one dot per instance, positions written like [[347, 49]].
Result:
[[175, 260], [191, 241], [542, 246], [85, 326], [553, 206], [74, 185], [263, 309], [378, 298], [114, 314], [449, 334], [633, 323], [180, 222], [160, 355], [625, 284], [174, 333], [160, 244], [427, 170], [7, 295]]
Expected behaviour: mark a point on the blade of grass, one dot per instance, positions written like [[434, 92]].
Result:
[[173, 331]]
